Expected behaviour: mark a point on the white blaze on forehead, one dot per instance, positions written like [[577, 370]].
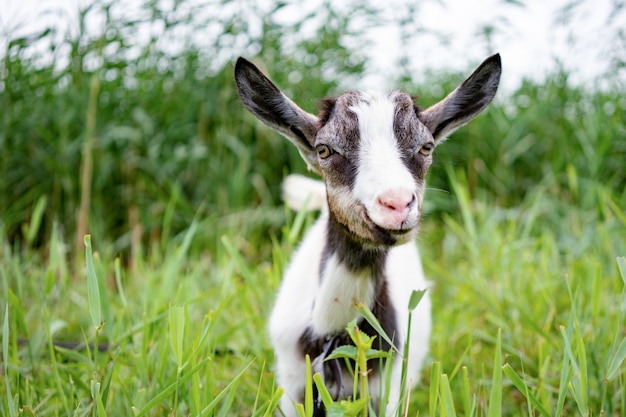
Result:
[[380, 167], [375, 114]]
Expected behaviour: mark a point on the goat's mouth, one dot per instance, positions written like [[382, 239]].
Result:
[[391, 236], [357, 222]]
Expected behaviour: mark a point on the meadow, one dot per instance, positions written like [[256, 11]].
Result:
[[142, 236]]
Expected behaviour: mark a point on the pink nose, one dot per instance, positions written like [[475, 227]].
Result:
[[395, 205]]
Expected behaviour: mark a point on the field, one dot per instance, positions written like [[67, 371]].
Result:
[[142, 237]]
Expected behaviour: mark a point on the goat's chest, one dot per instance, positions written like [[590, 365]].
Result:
[[339, 290]]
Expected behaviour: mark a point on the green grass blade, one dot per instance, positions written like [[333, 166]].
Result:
[[523, 388], [168, 390], [578, 379], [105, 304], [621, 264], [298, 225], [226, 409], [209, 408], [416, 297], [97, 398], [5, 355], [255, 410], [385, 378], [93, 291], [5, 338], [177, 332], [617, 210], [414, 300], [495, 397], [118, 282], [58, 381], [105, 386], [273, 403], [584, 374], [433, 397], [178, 259], [308, 389], [466, 393], [616, 360], [566, 372], [327, 399], [32, 229], [447, 402], [461, 359], [462, 195], [373, 321]]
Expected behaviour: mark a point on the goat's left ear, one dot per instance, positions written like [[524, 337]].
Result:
[[276, 110], [464, 103]]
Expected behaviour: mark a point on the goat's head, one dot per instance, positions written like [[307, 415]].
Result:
[[373, 151]]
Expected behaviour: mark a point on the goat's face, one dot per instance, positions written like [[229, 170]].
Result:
[[373, 151]]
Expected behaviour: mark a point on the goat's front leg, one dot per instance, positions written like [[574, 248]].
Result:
[[290, 375]]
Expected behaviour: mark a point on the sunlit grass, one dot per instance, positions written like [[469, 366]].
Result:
[[552, 290], [523, 325]]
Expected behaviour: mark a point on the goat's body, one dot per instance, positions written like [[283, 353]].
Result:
[[323, 305]]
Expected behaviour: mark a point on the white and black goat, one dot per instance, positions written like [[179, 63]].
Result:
[[373, 152]]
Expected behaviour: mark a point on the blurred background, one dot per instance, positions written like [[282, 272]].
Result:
[[120, 118]]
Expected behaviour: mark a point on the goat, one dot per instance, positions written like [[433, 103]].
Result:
[[373, 152]]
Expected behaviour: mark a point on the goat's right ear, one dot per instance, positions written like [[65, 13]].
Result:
[[276, 110]]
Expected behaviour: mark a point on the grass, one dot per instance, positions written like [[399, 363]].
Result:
[[527, 320], [558, 307], [145, 368]]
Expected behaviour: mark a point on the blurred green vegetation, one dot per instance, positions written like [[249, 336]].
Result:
[[170, 141]]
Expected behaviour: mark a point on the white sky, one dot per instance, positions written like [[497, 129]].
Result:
[[529, 37]]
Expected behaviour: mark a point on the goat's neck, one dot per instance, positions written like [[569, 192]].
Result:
[[358, 257], [350, 273]]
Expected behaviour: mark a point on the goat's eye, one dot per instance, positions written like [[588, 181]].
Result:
[[427, 148], [324, 151]]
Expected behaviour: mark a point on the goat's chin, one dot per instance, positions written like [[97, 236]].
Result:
[[393, 237], [355, 220], [390, 236], [373, 234]]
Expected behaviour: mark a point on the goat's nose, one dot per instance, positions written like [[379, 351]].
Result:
[[397, 202]]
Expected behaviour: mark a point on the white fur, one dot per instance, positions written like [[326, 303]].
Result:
[[339, 291], [302, 302], [381, 171], [303, 193]]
